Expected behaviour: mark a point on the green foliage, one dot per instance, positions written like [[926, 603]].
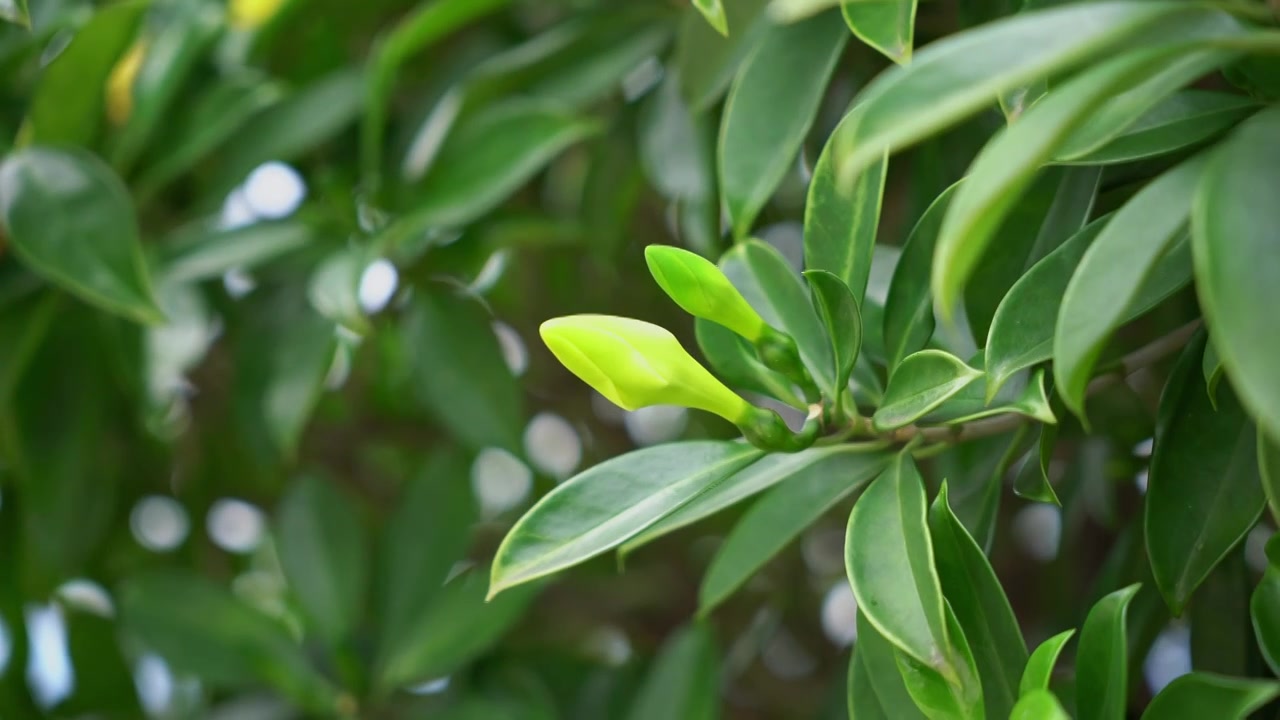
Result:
[[270, 431]]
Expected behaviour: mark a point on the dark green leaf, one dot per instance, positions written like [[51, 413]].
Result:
[[210, 253], [1039, 704], [844, 460], [675, 145], [15, 11], [886, 25], [67, 107], [323, 551], [940, 696], [1204, 492], [1112, 272], [454, 629], [1200, 695], [772, 103], [737, 363], [200, 628], [778, 518], [775, 290], [1039, 669], [459, 374], [840, 220], [1269, 470], [883, 678], [1234, 221], [1031, 400], [840, 314], [1102, 662], [981, 608], [1264, 607], [921, 382], [908, 311], [706, 61], [1032, 480], [1179, 121], [71, 220], [683, 681], [1220, 643], [1211, 366], [603, 507]]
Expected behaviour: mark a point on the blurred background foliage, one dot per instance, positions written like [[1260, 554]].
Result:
[[276, 378]]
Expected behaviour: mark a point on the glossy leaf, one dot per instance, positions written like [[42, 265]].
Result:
[[603, 507], [908, 310], [707, 61], [1030, 401], [323, 555], [878, 659], [1039, 704], [459, 375], [1180, 121], [15, 11], [842, 318], [1112, 271], [1039, 670], [1199, 695], [461, 624], [202, 629], [960, 75], [735, 360], [683, 681], [774, 289], [67, 106], [861, 701], [844, 460], [1102, 661], [889, 560], [1204, 492], [981, 608], [921, 382], [1269, 471], [1007, 164], [772, 103], [841, 219], [1233, 231], [777, 518], [1032, 480], [71, 220], [937, 695], [886, 25], [1211, 366], [1264, 608]]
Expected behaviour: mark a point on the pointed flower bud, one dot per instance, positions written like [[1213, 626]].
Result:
[[636, 364], [702, 290]]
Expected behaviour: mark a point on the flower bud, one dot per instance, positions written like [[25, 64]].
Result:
[[635, 364], [702, 290]]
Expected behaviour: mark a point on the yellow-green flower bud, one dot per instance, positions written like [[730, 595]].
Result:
[[702, 290], [635, 364]]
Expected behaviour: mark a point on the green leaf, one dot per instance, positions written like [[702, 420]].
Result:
[[1204, 492], [15, 11], [201, 629], [603, 507], [490, 157], [24, 325], [67, 104], [775, 290], [1268, 470], [323, 551], [1039, 670], [173, 46], [1054, 208], [737, 363], [971, 587], [1178, 122], [772, 103], [886, 682], [1120, 112], [683, 681], [1199, 695], [426, 534], [675, 146], [842, 318], [71, 220], [840, 220], [459, 626], [937, 695], [886, 25], [713, 11], [1039, 704], [1102, 661], [921, 382], [975, 473], [908, 310], [459, 374], [961, 74], [1007, 164], [205, 253], [1032, 480], [778, 518], [1264, 607], [862, 702], [1233, 236], [1111, 273], [889, 560], [845, 460], [706, 61], [1211, 366], [1220, 643], [1031, 400]]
